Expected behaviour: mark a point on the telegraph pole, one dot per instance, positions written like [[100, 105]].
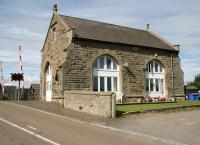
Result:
[[2, 84]]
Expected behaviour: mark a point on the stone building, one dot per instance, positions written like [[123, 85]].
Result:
[[88, 56], [34, 92], [10, 92]]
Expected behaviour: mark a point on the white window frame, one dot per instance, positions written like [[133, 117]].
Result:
[[159, 75], [152, 69], [105, 73]]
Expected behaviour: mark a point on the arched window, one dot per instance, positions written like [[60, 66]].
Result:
[[155, 79], [105, 75], [54, 34]]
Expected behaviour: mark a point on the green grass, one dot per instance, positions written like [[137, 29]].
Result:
[[143, 107]]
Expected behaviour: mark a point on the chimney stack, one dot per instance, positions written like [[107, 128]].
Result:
[[177, 46], [148, 27], [55, 9]]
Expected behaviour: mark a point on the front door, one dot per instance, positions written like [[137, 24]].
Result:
[[48, 84]]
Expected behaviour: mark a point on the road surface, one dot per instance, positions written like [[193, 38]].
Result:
[[21, 126]]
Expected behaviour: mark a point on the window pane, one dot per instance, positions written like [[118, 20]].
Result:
[[95, 83], [161, 69], [101, 63], [147, 85], [54, 34], [151, 84], [95, 64], [150, 66], [109, 83], [114, 66], [108, 63], [115, 84], [157, 85], [101, 83], [156, 67], [161, 85]]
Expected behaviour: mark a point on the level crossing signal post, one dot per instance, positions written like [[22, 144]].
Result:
[[18, 77]]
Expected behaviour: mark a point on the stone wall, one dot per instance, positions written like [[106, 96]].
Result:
[[78, 67], [100, 104], [54, 53]]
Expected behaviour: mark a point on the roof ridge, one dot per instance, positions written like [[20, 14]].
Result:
[[113, 33], [102, 22]]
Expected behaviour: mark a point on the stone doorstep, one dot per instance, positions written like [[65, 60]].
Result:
[[160, 110]]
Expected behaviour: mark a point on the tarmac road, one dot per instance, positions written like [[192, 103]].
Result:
[[24, 126], [180, 127], [13, 136]]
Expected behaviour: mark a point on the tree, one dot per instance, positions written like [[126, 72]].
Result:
[[196, 82]]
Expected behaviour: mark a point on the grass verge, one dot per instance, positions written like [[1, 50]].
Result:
[[144, 107]]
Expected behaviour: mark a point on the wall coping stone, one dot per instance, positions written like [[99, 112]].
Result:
[[88, 92]]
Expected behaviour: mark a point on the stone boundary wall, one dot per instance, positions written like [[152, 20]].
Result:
[[100, 104]]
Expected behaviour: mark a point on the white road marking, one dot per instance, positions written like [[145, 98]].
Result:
[[31, 127], [107, 127], [140, 134], [49, 113], [29, 132]]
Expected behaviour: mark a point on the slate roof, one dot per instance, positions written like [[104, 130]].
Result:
[[94, 30]]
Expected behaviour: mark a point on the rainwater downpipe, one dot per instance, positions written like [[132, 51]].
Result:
[[172, 73]]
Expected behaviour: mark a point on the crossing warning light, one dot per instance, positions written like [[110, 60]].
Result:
[[17, 77]]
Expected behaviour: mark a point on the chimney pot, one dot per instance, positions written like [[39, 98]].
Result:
[[148, 26], [55, 9], [177, 46]]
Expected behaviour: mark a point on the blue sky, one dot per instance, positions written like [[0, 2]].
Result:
[[25, 22]]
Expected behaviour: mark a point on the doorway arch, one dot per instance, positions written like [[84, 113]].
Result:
[[48, 75]]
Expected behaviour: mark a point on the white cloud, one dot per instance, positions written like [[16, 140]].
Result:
[[25, 22], [191, 68], [15, 32]]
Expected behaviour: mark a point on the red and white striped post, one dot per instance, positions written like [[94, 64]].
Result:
[[21, 68], [2, 84]]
